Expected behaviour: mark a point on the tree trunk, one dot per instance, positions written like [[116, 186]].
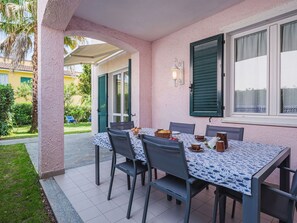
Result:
[[34, 123]]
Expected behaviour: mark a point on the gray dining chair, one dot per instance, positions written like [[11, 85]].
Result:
[[235, 133], [122, 125], [125, 126], [169, 156], [274, 202], [121, 144], [182, 127]]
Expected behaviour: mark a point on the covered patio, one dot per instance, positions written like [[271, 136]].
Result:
[[157, 35], [90, 202]]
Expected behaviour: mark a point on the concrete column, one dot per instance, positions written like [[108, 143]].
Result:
[[50, 101], [142, 87]]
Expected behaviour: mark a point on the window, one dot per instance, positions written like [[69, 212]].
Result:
[[207, 77], [250, 73], [26, 79], [120, 96], [3, 79], [288, 71], [263, 69]]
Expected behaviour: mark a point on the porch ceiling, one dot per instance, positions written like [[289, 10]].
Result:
[[149, 20]]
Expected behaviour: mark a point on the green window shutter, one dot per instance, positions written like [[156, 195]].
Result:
[[26, 79], [206, 96]]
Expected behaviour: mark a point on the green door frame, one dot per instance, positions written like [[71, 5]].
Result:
[[129, 89], [102, 102]]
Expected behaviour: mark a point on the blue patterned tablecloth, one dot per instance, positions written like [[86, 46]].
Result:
[[233, 168]]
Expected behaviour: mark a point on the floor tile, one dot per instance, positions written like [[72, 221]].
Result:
[[90, 200], [89, 213], [115, 215]]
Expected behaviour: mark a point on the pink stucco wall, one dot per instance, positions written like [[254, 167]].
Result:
[[50, 98], [172, 103]]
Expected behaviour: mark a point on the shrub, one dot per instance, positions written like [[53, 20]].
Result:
[[6, 102], [22, 113], [80, 113]]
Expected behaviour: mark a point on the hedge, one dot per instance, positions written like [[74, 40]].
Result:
[[80, 113], [6, 102], [22, 113]]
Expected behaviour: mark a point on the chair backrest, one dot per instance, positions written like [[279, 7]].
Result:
[[182, 127], [69, 118], [293, 190], [122, 125], [165, 155], [232, 132], [121, 143], [276, 203]]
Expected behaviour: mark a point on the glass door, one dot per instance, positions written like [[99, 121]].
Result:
[[120, 108]]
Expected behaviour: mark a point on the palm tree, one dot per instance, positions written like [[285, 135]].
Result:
[[19, 22]]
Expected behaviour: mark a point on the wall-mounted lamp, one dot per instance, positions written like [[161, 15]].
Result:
[[177, 71]]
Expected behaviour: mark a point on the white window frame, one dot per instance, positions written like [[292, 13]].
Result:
[[272, 115], [122, 114]]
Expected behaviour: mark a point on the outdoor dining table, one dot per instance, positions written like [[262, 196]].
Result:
[[242, 167]]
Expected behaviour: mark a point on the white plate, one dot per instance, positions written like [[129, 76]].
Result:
[[175, 132]]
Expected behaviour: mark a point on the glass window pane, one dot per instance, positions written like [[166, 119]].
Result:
[[126, 92], [288, 68], [251, 73], [3, 79], [26, 79], [117, 118], [117, 93]]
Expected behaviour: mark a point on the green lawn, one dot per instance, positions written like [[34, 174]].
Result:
[[22, 132], [20, 191]]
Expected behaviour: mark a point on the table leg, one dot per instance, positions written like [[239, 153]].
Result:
[[252, 204], [97, 165], [284, 177], [222, 208]]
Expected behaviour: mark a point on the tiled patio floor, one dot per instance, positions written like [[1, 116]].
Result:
[[90, 200]]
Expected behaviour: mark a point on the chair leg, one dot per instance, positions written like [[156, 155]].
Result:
[[187, 211], [156, 174], [147, 197], [112, 162], [131, 197], [178, 202], [169, 198], [233, 208], [128, 182], [207, 187], [111, 181], [143, 178]]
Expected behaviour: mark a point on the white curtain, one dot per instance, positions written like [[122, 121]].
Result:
[[252, 45], [289, 68], [251, 73]]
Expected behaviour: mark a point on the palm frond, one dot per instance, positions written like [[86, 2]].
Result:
[[73, 41], [6, 45], [18, 23], [20, 48]]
